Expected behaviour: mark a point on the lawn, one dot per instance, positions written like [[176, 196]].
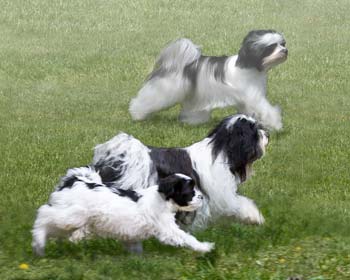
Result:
[[68, 70]]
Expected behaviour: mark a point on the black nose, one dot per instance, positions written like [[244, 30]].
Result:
[[285, 51]]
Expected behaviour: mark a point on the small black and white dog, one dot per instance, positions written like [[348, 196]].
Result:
[[82, 205], [201, 83], [219, 164]]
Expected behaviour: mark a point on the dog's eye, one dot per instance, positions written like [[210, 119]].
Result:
[[283, 44], [269, 49]]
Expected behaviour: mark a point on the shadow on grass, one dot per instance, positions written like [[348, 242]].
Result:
[[91, 249]]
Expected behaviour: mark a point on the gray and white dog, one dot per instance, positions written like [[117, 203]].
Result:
[[182, 75]]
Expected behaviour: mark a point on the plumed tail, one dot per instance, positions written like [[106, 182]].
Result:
[[166, 85], [87, 175], [125, 162], [175, 56]]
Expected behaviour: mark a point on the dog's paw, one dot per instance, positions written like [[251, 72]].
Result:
[[253, 216], [38, 250], [205, 247], [276, 118], [259, 219], [272, 119], [277, 125]]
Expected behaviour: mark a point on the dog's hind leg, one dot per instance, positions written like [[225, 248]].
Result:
[[39, 240], [55, 222], [41, 229], [189, 114], [158, 94]]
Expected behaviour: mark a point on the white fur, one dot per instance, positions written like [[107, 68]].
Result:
[[138, 174], [78, 212], [269, 38], [244, 88], [221, 187]]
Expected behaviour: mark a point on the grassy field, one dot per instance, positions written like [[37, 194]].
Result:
[[67, 72]]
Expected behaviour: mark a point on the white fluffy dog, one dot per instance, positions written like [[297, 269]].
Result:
[[182, 75], [83, 205]]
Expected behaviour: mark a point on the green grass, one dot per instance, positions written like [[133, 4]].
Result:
[[67, 72]]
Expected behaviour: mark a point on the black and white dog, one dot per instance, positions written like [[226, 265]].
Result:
[[219, 164], [182, 75], [82, 205]]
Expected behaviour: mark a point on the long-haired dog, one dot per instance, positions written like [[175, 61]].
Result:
[[82, 205], [182, 75], [219, 164]]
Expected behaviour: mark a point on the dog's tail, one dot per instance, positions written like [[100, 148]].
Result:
[[165, 86], [87, 175], [125, 163], [175, 56]]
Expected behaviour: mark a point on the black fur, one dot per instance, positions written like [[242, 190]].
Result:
[[158, 72], [217, 64], [214, 64], [179, 189], [251, 55], [68, 182], [171, 160], [239, 143], [168, 161], [134, 196], [110, 169]]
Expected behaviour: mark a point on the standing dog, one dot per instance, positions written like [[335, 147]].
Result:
[[182, 75], [83, 205]]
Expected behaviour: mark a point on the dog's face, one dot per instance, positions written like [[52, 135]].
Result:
[[262, 49], [181, 190], [242, 141]]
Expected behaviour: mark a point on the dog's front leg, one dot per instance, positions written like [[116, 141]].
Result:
[[245, 210], [173, 235], [257, 106], [271, 116]]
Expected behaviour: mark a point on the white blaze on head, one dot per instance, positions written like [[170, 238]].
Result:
[[269, 39]]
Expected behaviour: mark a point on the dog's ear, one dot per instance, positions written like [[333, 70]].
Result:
[[174, 184], [248, 55], [108, 174], [167, 185]]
